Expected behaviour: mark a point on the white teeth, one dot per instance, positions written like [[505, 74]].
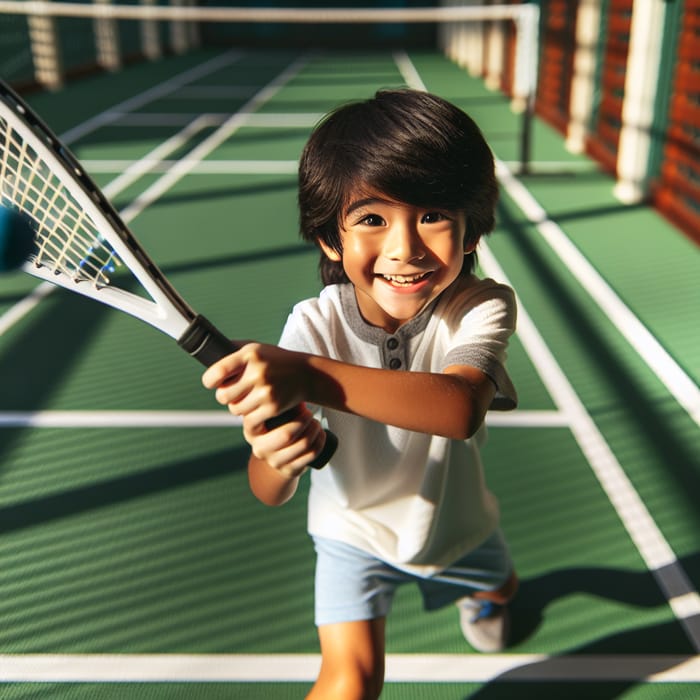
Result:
[[404, 279]]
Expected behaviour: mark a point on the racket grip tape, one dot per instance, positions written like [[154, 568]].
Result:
[[206, 343]]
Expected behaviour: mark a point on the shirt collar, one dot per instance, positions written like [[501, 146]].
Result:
[[373, 334]]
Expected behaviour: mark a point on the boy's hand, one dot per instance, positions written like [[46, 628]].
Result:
[[288, 448], [258, 382]]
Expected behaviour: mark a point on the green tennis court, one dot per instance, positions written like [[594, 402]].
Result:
[[134, 563]]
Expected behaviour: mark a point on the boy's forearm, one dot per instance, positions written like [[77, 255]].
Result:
[[451, 404], [268, 485]]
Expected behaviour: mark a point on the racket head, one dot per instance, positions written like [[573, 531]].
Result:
[[81, 242]]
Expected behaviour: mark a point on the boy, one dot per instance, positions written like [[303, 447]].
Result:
[[401, 355]]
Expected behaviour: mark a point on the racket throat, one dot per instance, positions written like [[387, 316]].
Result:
[[203, 341]]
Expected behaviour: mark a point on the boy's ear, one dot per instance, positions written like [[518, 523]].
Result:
[[470, 246], [331, 253]]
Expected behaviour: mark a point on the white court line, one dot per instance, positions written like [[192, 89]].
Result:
[[666, 369], [649, 540], [19, 310], [276, 120], [202, 150], [400, 668], [273, 120], [137, 169], [154, 93], [218, 419], [660, 559], [215, 92], [207, 167]]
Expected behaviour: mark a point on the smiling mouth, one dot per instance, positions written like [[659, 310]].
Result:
[[405, 280]]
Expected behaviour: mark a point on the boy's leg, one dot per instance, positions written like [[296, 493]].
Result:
[[503, 594], [484, 616], [352, 661], [482, 583]]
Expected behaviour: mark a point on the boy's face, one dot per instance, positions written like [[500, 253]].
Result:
[[399, 257]]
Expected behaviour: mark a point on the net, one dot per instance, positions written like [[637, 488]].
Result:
[[454, 27], [496, 42]]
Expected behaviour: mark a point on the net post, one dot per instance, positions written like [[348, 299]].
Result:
[[182, 36], [107, 41], [46, 50], [525, 82], [150, 35], [526, 136]]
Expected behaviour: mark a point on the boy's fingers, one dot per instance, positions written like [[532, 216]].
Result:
[[289, 446], [225, 369]]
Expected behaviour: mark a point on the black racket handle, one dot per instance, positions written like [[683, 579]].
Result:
[[206, 343]]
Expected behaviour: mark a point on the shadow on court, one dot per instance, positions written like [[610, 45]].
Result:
[[631, 588], [553, 678], [45, 509], [39, 357]]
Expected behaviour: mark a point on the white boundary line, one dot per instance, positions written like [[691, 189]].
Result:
[[649, 540], [154, 93], [240, 118], [404, 668], [218, 419], [659, 361], [207, 167]]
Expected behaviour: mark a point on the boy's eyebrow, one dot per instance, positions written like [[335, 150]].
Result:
[[360, 203]]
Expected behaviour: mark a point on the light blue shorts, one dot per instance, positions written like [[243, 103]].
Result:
[[353, 585]]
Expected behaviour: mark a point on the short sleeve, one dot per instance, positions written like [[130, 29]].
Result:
[[483, 321]]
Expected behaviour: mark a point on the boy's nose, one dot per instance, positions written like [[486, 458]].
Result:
[[403, 244]]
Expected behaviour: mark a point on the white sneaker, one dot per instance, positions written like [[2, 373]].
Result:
[[485, 625]]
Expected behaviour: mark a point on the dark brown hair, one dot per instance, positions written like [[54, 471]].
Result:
[[410, 145]]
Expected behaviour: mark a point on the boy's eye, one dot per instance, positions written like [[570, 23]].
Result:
[[433, 217], [372, 220]]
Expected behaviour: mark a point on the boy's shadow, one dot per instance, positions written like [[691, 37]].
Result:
[[634, 589]]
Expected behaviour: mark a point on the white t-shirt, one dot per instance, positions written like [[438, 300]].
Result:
[[418, 502]]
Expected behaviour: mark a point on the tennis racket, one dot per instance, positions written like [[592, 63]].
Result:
[[81, 241]]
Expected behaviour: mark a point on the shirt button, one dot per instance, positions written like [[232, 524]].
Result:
[[394, 363], [392, 343]]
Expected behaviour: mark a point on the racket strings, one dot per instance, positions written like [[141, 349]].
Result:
[[67, 240]]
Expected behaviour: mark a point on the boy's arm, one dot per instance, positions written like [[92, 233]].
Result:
[[280, 456], [269, 485], [270, 380], [451, 404]]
